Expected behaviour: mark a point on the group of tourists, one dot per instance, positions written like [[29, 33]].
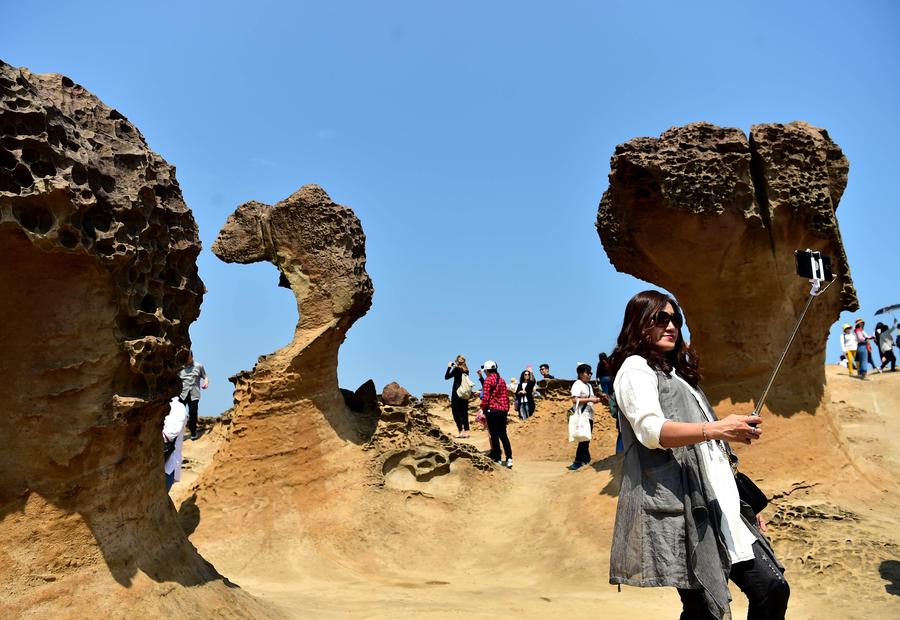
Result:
[[857, 346], [683, 520], [495, 404], [183, 412]]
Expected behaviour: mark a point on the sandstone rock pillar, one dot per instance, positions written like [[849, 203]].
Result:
[[98, 285], [714, 218], [290, 424]]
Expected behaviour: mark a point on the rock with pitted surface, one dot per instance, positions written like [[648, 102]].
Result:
[[99, 285], [291, 428], [395, 394], [714, 218]]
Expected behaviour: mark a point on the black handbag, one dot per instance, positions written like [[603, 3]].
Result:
[[168, 447], [750, 493]]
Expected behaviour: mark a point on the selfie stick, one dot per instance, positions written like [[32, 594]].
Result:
[[818, 274]]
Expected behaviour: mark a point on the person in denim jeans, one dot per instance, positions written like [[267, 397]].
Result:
[[525, 394], [862, 352]]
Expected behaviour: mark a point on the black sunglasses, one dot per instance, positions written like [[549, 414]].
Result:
[[662, 319]]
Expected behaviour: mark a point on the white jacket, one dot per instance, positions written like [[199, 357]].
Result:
[[848, 341], [173, 428]]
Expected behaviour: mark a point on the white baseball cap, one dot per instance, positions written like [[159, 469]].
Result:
[[489, 365]]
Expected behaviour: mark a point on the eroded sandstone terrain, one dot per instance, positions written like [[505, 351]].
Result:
[[319, 504]]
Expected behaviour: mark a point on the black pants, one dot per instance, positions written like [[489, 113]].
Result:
[[192, 415], [762, 582], [460, 409], [496, 423], [583, 451], [889, 358]]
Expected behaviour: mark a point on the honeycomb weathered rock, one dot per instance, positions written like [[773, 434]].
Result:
[[715, 218], [98, 285]]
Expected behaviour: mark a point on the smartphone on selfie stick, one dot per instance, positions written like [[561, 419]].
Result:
[[816, 268]]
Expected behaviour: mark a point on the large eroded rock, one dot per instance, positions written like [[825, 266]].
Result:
[[290, 425], [715, 218], [98, 285]]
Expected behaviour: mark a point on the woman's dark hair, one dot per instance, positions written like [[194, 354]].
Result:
[[522, 376], [582, 368], [634, 339]]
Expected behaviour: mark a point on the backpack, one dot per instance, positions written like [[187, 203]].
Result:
[[464, 390]]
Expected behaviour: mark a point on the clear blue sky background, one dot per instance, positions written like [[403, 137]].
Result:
[[473, 141]]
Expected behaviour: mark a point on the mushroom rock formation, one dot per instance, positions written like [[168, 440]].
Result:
[[99, 285], [715, 218], [290, 423]]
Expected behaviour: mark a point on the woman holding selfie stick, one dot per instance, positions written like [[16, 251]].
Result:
[[680, 521]]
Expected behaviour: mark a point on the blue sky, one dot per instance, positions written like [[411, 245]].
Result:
[[473, 141]]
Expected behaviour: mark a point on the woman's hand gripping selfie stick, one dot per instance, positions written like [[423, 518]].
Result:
[[818, 271]]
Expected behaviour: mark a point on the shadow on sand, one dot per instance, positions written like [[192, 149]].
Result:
[[612, 464], [890, 571]]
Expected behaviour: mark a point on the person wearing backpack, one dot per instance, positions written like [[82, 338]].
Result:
[[495, 406], [460, 394]]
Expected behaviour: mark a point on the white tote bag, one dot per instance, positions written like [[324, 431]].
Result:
[[464, 390], [579, 424]]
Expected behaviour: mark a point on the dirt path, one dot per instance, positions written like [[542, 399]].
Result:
[[533, 542]]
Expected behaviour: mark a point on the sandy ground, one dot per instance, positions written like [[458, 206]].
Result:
[[533, 542]]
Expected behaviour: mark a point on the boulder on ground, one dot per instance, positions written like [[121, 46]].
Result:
[[395, 394]]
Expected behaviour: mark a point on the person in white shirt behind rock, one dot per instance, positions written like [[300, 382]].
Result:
[[583, 399], [173, 440]]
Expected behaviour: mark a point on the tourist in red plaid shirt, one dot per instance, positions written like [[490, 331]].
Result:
[[495, 405]]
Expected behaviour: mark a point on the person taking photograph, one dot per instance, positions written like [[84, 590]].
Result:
[[680, 521]]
